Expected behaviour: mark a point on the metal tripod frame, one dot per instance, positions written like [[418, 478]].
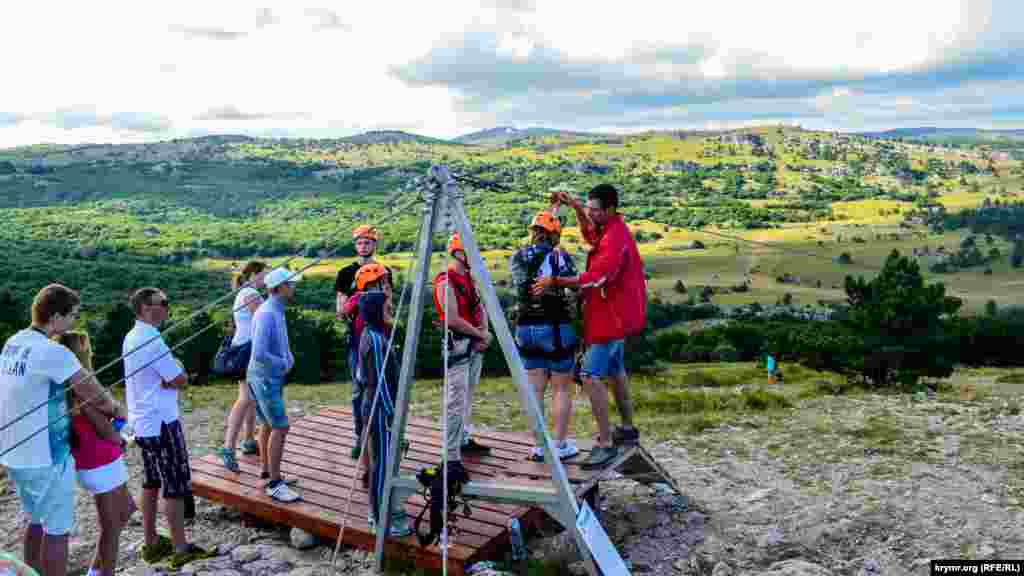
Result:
[[559, 500]]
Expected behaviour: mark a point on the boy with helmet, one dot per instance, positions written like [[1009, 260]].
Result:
[[468, 338], [365, 238], [545, 334], [378, 379]]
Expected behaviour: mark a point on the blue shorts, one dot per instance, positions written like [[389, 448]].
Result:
[[269, 396], [48, 495], [606, 360], [536, 344]]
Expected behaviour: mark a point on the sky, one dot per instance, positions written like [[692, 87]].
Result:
[[115, 71]]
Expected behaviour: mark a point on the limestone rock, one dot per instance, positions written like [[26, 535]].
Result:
[[722, 569], [267, 568], [249, 553], [208, 565], [795, 567], [302, 540]]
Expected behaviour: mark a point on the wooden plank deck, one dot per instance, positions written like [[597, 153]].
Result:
[[317, 454]]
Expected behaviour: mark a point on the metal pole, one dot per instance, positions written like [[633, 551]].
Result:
[[567, 497], [405, 378]]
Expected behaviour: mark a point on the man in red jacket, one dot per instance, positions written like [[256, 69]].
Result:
[[614, 307]]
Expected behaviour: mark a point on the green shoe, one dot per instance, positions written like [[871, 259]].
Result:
[[159, 551], [194, 553], [356, 452]]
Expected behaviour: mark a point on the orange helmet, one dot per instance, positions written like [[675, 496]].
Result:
[[369, 273], [365, 231], [455, 243], [547, 221]]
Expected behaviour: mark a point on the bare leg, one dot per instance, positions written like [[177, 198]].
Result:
[[238, 417], [264, 442], [622, 399], [55, 555], [599, 406], [562, 404], [249, 424], [108, 511], [174, 512], [33, 547], [149, 512], [538, 379], [277, 437]]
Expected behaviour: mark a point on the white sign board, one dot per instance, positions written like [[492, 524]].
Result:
[[601, 548]]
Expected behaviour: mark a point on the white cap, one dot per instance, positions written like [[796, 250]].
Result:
[[279, 276]]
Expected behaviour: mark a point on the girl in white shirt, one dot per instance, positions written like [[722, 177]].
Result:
[[243, 413]]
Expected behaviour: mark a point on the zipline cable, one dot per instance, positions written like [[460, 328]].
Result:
[[160, 335], [104, 389]]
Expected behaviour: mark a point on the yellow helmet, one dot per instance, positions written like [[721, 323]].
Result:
[[368, 274], [547, 221], [365, 231]]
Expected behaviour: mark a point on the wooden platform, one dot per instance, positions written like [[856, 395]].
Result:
[[317, 453]]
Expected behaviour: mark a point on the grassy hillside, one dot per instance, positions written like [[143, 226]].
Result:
[[196, 204]]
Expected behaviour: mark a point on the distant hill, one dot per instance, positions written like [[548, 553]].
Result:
[[505, 134], [935, 134], [389, 137]]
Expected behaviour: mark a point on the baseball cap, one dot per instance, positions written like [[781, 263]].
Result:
[[279, 276]]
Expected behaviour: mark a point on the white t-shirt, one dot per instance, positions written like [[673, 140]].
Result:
[[243, 317], [33, 371], [149, 403]]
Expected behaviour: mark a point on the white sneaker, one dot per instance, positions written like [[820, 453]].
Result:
[[567, 449], [282, 493], [537, 454]]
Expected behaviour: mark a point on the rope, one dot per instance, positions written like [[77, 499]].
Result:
[[444, 405], [103, 389], [364, 439], [171, 327]]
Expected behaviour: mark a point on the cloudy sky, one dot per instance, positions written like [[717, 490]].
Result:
[[118, 71]]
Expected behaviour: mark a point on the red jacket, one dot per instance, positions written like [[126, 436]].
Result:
[[614, 287]]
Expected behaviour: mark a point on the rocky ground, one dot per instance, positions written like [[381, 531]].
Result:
[[844, 485]]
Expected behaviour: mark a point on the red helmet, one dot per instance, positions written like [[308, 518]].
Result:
[[365, 231], [547, 221], [368, 274]]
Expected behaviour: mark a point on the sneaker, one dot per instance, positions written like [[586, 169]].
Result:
[[227, 457], [191, 555], [250, 447], [282, 493], [356, 451], [287, 480], [600, 457], [471, 446], [567, 449], [157, 552], [536, 454], [625, 436]]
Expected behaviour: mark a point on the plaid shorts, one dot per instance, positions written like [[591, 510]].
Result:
[[165, 461]]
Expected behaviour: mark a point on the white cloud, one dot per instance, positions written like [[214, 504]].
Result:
[[148, 71]]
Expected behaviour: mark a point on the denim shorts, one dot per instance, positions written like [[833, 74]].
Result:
[[48, 495], [269, 396], [606, 360], [537, 342]]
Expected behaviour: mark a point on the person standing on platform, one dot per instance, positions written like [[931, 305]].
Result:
[[468, 338], [545, 334], [271, 361], [243, 412], [366, 238], [377, 373], [614, 308]]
